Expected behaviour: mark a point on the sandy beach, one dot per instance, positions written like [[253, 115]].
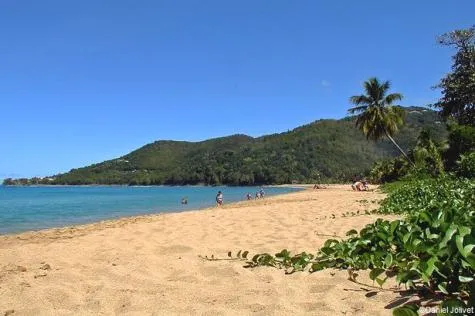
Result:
[[150, 265]]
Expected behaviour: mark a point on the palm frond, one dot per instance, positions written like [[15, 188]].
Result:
[[376, 115], [371, 86], [390, 98], [385, 86], [360, 99], [357, 109]]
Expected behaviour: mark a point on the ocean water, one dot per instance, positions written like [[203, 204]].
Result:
[[33, 208]]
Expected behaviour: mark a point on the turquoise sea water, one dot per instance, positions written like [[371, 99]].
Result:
[[34, 208]]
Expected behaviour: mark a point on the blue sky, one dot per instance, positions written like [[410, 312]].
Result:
[[85, 81]]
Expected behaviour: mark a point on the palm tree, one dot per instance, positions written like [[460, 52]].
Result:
[[377, 117]]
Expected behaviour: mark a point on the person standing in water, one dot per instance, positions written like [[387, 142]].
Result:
[[261, 193], [219, 199]]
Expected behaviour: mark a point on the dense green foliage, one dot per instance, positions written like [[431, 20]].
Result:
[[427, 155], [458, 86], [461, 140], [389, 170], [427, 159], [431, 250], [466, 165], [326, 150]]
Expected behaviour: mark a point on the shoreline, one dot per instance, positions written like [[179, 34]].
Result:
[[153, 264], [108, 223], [160, 185]]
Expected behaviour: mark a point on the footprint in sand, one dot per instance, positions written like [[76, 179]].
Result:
[[174, 249], [213, 312], [320, 288], [261, 309], [316, 307], [218, 272], [182, 276]]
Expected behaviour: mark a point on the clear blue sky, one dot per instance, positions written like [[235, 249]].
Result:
[[84, 81]]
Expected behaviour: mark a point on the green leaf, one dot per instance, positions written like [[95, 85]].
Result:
[[448, 235], [452, 306], [375, 273], [465, 251], [352, 232], [430, 266], [406, 310], [330, 243], [443, 287], [465, 279], [238, 254], [381, 281], [244, 254], [382, 235], [388, 261], [464, 230], [425, 216], [471, 260], [229, 254], [394, 224], [283, 254], [317, 266]]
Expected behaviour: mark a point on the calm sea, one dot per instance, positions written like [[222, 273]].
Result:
[[34, 208]]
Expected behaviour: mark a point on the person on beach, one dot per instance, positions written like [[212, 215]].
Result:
[[261, 193], [249, 196], [184, 200], [360, 186], [365, 185], [219, 199], [318, 186]]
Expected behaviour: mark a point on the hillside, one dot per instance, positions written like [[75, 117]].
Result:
[[320, 151]]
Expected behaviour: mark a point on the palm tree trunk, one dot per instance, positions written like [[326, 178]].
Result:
[[399, 148]]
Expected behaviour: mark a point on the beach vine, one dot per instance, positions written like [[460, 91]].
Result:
[[431, 250]]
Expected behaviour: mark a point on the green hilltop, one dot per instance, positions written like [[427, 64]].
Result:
[[325, 150]]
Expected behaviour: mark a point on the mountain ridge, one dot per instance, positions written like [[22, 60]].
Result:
[[323, 150]]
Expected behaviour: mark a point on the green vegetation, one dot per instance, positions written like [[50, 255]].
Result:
[[326, 150], [461, 139], [458, 86], [427, 157], [431, 250], [466, 165]]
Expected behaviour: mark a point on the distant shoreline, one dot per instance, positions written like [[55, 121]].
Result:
[[161, 212], [159, 185]]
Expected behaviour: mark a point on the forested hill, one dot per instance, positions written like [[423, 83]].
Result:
[[323, 150]]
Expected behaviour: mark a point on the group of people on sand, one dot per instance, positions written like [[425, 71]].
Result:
[[319, 186], [356, 186], [360, 185], [259, 195]]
